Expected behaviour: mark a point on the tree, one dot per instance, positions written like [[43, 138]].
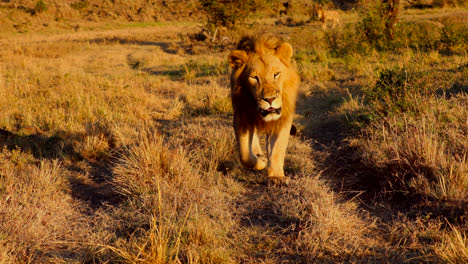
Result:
[[392, 9]]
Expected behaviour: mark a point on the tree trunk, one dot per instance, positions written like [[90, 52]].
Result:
[[392, 10]]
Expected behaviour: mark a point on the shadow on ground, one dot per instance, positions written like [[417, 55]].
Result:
[[165, 46], [89, 183]]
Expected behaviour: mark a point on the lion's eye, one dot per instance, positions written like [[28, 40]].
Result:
[[276, 75]]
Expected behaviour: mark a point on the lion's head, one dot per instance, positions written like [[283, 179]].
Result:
[[262, 70]]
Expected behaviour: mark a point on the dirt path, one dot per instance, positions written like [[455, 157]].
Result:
[[435, 16]]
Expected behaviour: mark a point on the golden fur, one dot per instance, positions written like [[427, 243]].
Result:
[[264, 85], [328, 15]]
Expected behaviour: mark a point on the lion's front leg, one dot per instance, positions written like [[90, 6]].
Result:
[[277, 144], [250, 152]]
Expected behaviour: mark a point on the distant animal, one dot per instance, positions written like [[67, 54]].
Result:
[[264, 85], [328, 15]]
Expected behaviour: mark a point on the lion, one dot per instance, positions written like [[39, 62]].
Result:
[[264, 85], [328, 15]]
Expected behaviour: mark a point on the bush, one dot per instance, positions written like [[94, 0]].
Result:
[[226, 12], [422, 35], [378, 25], [397, 90], [79, 4], [454, 34], [345, 41], [373, 26], [40, 6]]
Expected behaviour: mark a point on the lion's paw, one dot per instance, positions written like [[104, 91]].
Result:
[[278, 180], [262, 162]]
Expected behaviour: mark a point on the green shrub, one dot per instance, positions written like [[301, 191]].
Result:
[[344, 41], [378, 24], [397, 90], [40, 6], [373, 25], [227, 12], [422, 35], [454, 34], [79, 4]]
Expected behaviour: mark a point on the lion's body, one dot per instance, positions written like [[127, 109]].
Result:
[[328, 15], [264, 85]]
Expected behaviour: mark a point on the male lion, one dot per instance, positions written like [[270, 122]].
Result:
[[264, 85], [328, 15]]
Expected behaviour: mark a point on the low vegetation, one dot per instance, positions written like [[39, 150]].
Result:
[[116, 139]]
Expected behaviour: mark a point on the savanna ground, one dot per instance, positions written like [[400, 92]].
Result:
[[117, 145]]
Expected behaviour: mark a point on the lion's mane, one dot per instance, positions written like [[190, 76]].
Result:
[[243, 101]]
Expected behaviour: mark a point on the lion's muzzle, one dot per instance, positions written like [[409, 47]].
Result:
[[270, 110]]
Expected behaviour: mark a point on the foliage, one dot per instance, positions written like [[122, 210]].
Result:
[[375, 24], [79, 4], [454, 34], [395, 91], [40, 6], [423, 35], [346, 41], [450, 34], [226, 12]]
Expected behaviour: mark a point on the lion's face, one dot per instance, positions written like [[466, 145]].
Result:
[[265, 80], [264, 75], [320, 13]]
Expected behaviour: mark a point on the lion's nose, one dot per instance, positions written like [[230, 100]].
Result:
[[269, 99]]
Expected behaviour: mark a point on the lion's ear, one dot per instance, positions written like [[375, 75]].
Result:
[[285, 51], [237, 58]]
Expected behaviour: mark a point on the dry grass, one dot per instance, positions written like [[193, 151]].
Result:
[[117, 147], [22, 15], [38, 212], [430, 150], [454, 247]]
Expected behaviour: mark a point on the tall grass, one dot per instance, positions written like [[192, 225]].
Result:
[[414, 135], [159, 244], [327, 229], [454, 246], [37, 209], [155, 174]]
